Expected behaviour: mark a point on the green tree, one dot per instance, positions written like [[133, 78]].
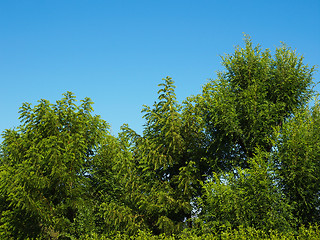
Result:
[[168, 160], [298, 163], [44, 168], [246, 198], [244, 153], [255, 93], [114, 187]]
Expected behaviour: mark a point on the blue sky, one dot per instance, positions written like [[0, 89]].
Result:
[[116, 52]]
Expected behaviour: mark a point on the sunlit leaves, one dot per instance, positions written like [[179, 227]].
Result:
[[44, 161], [248, 198], [255, 92], [298, 160]]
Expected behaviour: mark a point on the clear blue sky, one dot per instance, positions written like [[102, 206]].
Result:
[[116, 52]]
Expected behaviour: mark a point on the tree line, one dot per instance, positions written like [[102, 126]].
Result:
[[244, 155]]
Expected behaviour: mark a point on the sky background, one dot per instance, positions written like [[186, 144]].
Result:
[[116, 52]]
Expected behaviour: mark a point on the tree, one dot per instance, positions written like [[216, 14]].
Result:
[[168, 160], [44, 168], [255, 93], [246, 198], [298, 162], [114, 187], [244, 153]]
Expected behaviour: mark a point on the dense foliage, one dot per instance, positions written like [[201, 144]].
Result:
[[241, 160]]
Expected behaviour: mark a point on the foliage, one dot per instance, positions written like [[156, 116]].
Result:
[[43, 167], [306, 233], [298, 160], [256, 92], [238, 161], [114, 188], [167, 158], [246, 197]]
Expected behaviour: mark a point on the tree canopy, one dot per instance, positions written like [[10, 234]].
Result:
[[242, 158]]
